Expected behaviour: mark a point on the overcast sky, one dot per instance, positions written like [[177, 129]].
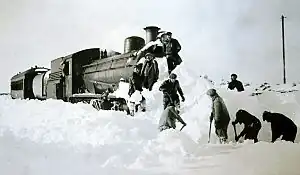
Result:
[[221, 37]]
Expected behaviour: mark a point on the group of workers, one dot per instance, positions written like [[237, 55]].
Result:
[[146, 74], [281, 125]]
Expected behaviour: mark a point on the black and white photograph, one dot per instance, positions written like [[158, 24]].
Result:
[[140, 87]]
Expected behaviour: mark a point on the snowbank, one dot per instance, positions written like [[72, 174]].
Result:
[[54, 137]]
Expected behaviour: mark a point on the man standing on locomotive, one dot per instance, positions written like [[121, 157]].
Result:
[[171, 49]]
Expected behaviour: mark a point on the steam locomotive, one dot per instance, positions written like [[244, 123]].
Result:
[[83, 75]]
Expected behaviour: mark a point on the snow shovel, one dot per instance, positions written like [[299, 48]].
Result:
[[234, 131], [182, 127], [209, 131]]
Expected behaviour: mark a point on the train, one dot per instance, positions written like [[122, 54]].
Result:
[[84, 75]]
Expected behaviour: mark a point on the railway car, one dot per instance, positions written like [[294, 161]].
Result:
[[30, 84]]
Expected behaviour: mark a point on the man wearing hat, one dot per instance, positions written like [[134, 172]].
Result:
[[171, 49], [170, 88], [150, 71], [220, 115]]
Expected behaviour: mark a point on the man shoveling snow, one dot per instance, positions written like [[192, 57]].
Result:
[[219, 114], [281, 125], [251, 123], [168, 119]]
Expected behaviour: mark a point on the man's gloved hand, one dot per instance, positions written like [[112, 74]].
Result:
[[211, 118], [233, 123], [182, 99]]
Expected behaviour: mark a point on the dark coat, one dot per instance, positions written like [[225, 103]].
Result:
[[246, 118], [171, 50], [170, 90], [167, 87], [236, 84], [135, 83], [251, 123], [150, 72], [281, 125], [172, 47]]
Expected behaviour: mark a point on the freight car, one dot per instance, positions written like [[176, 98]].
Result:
[[83, 75]]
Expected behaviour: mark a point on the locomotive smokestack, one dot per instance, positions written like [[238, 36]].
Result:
[[151, 33]]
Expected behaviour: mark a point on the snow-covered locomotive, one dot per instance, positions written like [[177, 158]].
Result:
[[83, 75]]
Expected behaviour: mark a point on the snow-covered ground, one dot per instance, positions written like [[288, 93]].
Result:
[[54, 137]]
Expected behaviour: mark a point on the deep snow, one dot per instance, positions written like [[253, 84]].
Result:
[[54, 137]]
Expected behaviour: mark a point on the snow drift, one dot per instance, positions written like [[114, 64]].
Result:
[[54, 137]]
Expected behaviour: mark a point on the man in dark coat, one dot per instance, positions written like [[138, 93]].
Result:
[[136, 83], [150, 71], [235, 84], [168, 119], [281, 125], [170, 88], [171, 49], [220, 115], [252, 125], [136, 80]]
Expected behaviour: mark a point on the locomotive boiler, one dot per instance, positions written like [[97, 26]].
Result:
[[82, 75]]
